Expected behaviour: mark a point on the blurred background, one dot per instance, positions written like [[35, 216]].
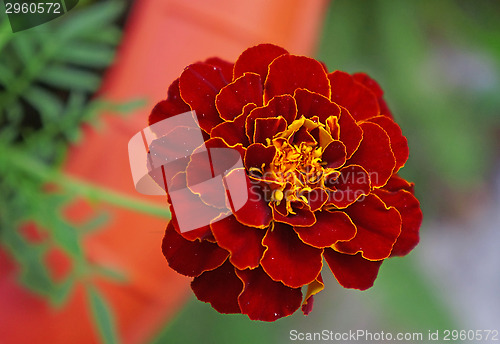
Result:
[[80, 257]]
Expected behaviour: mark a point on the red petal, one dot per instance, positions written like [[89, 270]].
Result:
[[312, 289], [264, 299], [190, 258], [411, 216], [242, 242], [242, 91], [219, 287], [303, 216], [397, 183], [376, 89], [287, 259], [199, 84], [257, 59], [352, 271], [259, 156], [233, 132], [330, 227], [311, 104], [352, 183], [282, 106], [255, 212], [378, 228], [375, 154], [334, 155], [354, 96], [266, 128], [226, 67], [350, 132], [316, 198], [173, 105], [290, 72], [399, 144]]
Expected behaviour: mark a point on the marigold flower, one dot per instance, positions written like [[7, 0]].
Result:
[[321, 153]]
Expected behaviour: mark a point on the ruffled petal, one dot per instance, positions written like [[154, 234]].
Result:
[[233, 132], [290, 72], [312, 289], [399, 144], [266, 128], [288, 260], [257, 59], [311, 104], [282, 106], [226, 67], [264, 299], [334, 154], [352, 271], [191, 258], [378, 228], [259, 157], [411, 216], [232, 98], [352, 183], [375, 154], [220, 288], [302, 215], [396, 183], [172, 106], [199, 84], [350, 133], [361, 102], [330, 227], [376, 89], [255, 212], [242, 242]]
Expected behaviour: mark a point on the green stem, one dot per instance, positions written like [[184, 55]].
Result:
[[21, 161]]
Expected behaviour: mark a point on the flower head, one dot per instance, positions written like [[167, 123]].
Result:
[[321, 153]]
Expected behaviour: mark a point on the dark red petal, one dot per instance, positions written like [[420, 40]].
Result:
[[242, 91], [334, 154], [354, 96], [242, 242], [264, 299], [411, 216], [266, 128], [219, 287], [352, 183], [376, 89], [225, 66], [199, 85], [173, 105], [287, 259], [352, 271], [190, 258], [303, 216], [330, 227], [202, 233], [397, 183], [233, 132], [257, 59], [290, 72], [378, 228], [255, 212], [375, 154], [259, 156], [350, 132], [282, 106], [316, 198], [312, 289], [399, 144], [311, 104]]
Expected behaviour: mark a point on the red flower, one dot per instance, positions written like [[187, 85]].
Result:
[[321, 151]]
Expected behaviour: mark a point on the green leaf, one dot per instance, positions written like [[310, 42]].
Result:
[[45, 102], [102, 316], [70, 78], [24, 47], [87, 54], [93, 18]]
